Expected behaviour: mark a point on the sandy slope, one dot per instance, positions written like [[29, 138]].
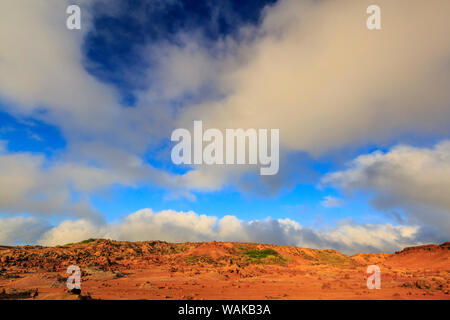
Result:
[[218, 270]]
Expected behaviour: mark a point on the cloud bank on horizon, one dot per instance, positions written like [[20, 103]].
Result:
[[174, 226], [364, 117]]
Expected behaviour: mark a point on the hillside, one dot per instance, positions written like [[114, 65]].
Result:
[[219, 270]]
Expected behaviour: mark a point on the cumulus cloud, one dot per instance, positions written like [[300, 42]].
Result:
[[22, 230], [317, 73], [36, 44], [42, 76], [331, 202], [414, 180], [168, 225], [30, 184], [313, 70], [70, 231]]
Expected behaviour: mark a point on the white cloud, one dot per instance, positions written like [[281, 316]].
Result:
[[176, 226], [3, 146], [173, 226], [414, 180], [29, 184], [312, 69], [331, 202], [71, 231], [36, 45], [317, 73], [21, 230], [98, 130]]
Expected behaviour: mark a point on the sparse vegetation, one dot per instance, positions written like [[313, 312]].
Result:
[[332, 258], [234, 269], [88, 240], [266, 256], [261, 254], [191, 259], [199, 259]]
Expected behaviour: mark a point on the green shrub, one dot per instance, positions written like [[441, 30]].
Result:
[[88, 240], [191, 259], [261, 254], [332, 258]]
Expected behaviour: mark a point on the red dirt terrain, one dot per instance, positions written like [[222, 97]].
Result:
[[219, 270]]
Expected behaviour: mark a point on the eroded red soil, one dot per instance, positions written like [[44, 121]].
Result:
[[218, 270]]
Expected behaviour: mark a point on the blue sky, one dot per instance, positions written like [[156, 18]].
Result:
[[86, 117]]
